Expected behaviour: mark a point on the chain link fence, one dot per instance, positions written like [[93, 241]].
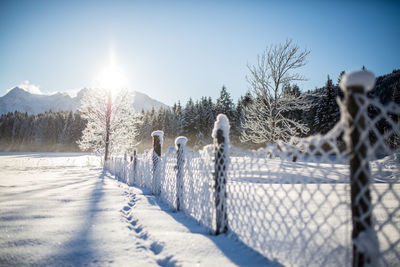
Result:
[[329, 200]]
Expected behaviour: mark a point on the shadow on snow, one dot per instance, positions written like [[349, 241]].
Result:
[[237, 256], [79, 249]]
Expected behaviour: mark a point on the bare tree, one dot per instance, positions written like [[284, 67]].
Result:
[[266, 117], [111, 122]]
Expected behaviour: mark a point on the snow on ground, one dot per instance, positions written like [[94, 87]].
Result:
[[301, 210], [295, 212], [62, 209]]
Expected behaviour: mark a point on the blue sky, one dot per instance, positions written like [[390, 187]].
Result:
[[173, 50]]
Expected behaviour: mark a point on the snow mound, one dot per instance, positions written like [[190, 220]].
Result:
[[222, 123], [160, 134], [180, 141], [358, 78]]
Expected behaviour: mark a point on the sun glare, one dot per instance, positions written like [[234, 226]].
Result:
[[112, 77]]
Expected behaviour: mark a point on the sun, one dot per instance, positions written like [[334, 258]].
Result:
[[111, 77]]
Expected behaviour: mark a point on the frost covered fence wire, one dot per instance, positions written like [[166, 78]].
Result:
[[376, 198], [329, 200], [180, 145], [157, 143], [221, 158], [132, 171]]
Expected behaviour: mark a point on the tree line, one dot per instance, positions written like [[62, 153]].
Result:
[[49, 131], [62, 130], [195, 119]]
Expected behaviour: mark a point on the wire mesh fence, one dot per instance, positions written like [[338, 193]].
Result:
[[323, 200]]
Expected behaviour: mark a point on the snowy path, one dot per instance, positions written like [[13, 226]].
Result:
[[60, 210]]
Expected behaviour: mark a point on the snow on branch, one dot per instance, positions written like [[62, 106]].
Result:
[[111, 122], [267, 117]]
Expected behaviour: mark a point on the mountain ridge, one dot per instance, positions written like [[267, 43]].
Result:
[[18, 99]]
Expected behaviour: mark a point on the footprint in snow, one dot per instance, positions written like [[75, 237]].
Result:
[[138, 229], [167, 261], [126, 208], [156, 248], [143, 236]]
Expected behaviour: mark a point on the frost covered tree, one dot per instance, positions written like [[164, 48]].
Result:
[[225, 104], [207, 117], [111, 122], [265, 118], [190, 117]]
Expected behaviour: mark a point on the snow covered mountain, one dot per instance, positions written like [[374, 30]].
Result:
[[143, 101], [23, 101]]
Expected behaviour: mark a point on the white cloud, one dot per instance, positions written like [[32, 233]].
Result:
[[29, 87]]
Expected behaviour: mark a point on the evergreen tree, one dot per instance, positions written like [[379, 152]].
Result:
[[49, 131], [327, 110], [340, 77], [189, 118], [225, 104]]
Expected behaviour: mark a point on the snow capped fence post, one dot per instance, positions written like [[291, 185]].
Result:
[[220, 135], [125, 168], [365, 243], [180, 143], [157, 143], [133, 166]]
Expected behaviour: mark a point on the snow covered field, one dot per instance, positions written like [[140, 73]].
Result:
[[295, 212], [62, 210]]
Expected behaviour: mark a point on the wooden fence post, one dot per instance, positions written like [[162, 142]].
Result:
[[365, 243], [220, 135], [180, 143], [157, 143], [134, 166], [125, 165]]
